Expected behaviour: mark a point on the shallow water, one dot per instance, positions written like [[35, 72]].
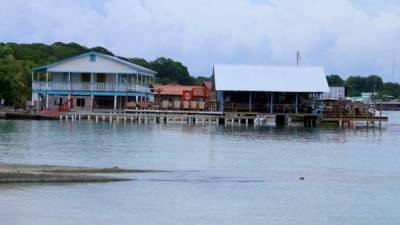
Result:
[[223, 175]]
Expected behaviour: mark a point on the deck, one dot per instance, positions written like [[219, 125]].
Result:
[[208, 117], [87, 87]]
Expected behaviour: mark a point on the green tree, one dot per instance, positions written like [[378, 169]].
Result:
[[391, 89], [335, 80], [374, 83], [140, 62], [200, 80], [355, 85], [14, 81], [170, 71]]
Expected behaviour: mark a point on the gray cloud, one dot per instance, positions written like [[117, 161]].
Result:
[[347, 37]]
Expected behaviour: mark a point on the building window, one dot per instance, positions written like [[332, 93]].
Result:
[[80, 102], [65, 77], [92, 58]]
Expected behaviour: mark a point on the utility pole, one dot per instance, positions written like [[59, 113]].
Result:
[[298, 57]]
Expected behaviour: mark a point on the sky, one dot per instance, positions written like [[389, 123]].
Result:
[[347, 37]]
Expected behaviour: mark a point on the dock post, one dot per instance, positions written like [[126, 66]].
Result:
[[117, 119], [145, 119], [66, 117], [110, 118], [79, 117], [125, 119], [72, 117], [60, 116], [97, 118]]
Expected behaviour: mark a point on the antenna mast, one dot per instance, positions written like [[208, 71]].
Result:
[[298, 57], [393, 67]]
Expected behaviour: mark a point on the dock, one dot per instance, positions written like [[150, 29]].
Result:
[[218, 118]]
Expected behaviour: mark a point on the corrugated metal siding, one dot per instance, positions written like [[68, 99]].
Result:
[[335, 93]]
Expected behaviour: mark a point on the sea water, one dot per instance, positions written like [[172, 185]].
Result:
[[219, 174]]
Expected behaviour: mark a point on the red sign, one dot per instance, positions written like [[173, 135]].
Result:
[[186, 95]]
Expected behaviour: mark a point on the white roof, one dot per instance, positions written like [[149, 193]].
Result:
[[270, 78], [101, 63]]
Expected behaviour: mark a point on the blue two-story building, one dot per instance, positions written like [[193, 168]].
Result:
[[91, 81]]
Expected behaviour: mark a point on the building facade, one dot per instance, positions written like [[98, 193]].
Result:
[[183, 97], [270, 89], [335, 93], [91, 81]]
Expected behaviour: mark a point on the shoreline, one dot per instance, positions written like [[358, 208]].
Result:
[[26, 173]]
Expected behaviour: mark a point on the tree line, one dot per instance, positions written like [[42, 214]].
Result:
[[17, 60], [357, 84]]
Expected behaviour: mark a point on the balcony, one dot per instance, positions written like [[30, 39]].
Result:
[[88, 87]]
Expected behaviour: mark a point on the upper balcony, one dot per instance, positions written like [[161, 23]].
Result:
[[88, 87], [93, 73]]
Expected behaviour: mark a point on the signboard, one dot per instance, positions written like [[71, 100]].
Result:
[[186, 95]]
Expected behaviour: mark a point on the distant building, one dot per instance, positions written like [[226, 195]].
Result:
[[91, 81], [270, 89], [183, 97], [365, 97], [335, 93]]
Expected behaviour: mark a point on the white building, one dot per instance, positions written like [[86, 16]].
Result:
[[90, 81], [335, 93], [269, 89]]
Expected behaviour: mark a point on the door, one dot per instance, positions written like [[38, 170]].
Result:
[[85, 77], [101, 78]]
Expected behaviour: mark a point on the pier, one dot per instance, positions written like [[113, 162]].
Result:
[[219, 118]]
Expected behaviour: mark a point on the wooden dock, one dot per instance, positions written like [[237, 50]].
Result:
[[204, 117], [372, 121]]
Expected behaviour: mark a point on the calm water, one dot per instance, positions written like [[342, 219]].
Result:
[[223, 175]]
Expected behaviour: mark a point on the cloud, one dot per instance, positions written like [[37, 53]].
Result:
[[347, 37]]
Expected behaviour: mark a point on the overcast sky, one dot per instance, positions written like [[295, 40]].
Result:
[[347, 37]]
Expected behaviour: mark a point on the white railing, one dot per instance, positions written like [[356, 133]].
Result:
[[88, 87]]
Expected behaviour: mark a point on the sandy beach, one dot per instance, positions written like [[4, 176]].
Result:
[[24, 173]]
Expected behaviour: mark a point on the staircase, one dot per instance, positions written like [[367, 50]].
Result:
[[42, 101], [66, 106]]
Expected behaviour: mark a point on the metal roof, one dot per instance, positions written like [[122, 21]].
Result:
[[176, 89], [113, 58], [270, 78]]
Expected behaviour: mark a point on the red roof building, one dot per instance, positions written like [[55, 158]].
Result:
[[175, 96]]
